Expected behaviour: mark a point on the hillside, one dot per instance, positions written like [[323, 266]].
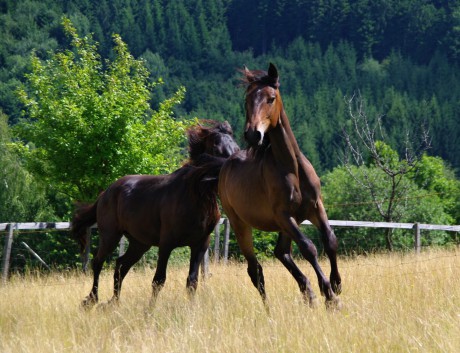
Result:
[[402, 56]]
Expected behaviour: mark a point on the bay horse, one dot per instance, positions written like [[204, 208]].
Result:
[[168, 211], [272, 186]]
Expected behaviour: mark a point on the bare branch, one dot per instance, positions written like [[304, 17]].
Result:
[[362, 142]]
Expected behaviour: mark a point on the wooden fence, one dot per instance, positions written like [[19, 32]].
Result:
[[11, 227]]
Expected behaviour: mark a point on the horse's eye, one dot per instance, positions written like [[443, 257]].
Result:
[[217, 139], [270, 100]]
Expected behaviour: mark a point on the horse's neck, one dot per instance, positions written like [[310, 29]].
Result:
[[284, 145]]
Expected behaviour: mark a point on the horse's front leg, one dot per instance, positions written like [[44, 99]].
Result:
[[196, 256], [244, 238]]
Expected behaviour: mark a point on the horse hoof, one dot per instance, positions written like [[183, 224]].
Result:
[[110, 304], [313, 303], [334, 304], [88, 302], [310, 299], [336, 287]]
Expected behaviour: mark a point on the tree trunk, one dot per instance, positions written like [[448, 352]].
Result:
[[389, 238]]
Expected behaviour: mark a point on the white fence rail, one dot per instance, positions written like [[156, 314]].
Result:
[[416, 227]]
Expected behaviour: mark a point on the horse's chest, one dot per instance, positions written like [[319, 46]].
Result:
[[284, 189]]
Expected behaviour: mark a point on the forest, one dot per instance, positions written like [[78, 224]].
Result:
[[399, 59]]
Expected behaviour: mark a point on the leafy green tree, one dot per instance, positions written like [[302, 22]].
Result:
[[89, 122], [346, 198], [22, 197], [437, 178]]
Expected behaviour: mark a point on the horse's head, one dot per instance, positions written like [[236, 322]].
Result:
[[216, 139], [263, 103]]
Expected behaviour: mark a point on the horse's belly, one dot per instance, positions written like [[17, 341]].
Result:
[[252, 194], [258, 215]]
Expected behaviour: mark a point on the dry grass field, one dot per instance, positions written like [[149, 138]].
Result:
[[392, 303]]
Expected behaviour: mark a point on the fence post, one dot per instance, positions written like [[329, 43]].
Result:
[[417, 243], [205, 265], [121, 249], [7, 252], [226, 239], [217, 242]]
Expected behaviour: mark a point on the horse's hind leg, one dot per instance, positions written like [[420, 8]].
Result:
[[309, 252], [329, 240], [93, 297], [107, 243], [125, 262], [196, 256], [283, 253]]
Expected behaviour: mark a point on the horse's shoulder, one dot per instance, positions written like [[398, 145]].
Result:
[[309, 180]]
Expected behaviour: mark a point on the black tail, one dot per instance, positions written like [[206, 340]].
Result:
[[83, 218]]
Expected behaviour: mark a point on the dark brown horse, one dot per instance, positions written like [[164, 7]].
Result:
[[273, 187], [168, 211]]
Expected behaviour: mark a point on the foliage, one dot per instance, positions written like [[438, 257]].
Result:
[[401, 56], [416, 28], [346, 199], [22, 196], [88, 122], [436, 177]]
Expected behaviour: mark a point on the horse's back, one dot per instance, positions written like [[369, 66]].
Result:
[[131, 206], [155, 209]]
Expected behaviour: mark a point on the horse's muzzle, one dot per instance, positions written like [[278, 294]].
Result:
[[253, 137]]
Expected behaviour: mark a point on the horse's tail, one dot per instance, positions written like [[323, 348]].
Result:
[[83, 218]]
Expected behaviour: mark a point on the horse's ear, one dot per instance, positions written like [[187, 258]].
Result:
[[248, 74], [226, 128], [272, 71]]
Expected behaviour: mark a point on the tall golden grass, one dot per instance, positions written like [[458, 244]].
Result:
[[392, 303]]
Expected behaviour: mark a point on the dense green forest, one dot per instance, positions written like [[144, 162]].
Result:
[[402, 57]]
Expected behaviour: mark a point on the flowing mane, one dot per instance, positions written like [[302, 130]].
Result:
[[198, 134]]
